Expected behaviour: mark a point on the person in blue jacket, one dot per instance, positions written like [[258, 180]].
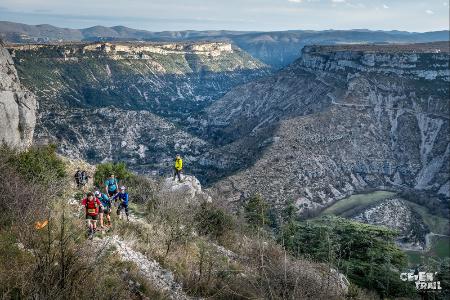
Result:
[[105, 209], [122, 196]]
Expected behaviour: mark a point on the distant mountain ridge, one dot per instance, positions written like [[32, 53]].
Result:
[[277, 48]]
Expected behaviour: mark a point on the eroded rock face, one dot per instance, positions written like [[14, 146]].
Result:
[[17, 106], [337, 122], [140, 138]]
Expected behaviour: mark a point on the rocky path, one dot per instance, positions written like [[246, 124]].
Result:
[[161, 278]]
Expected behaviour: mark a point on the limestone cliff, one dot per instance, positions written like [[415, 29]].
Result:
[[129, 101], [17, 106], [339, 120]]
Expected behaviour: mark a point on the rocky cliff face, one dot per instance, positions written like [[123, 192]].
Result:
[[17, 106], [173, 80], [340, 119], [140, 138], [129, 101]]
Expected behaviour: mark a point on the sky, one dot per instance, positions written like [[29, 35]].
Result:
[[249, 15]]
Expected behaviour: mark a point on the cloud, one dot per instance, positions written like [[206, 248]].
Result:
[[338, 1], [429, 11], [385, 6], [295, 1]]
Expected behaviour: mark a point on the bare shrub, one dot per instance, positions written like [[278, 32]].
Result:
[[142, 189]]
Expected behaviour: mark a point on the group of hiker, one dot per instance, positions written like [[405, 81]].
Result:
[[98, 205], [81, 178]]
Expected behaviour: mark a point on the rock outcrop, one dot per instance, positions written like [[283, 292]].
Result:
[[17, 106], [397, 215], [188, 189]]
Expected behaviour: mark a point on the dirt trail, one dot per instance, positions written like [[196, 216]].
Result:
[[160, 278]]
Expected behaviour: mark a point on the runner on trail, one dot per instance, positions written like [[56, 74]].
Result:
[[178, 167], [105, 208], [92, 204], [122, 196], [111, 185]]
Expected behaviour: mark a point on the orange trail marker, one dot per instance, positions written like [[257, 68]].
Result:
[[40, 225]]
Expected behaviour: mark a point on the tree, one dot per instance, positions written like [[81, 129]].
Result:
[[105, 170], [257, 211], [365, 253]]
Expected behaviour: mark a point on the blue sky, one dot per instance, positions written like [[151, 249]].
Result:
[[261, 15]]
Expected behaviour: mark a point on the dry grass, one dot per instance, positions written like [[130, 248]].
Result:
[[255, 268]]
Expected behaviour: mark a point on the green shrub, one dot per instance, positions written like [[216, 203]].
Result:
[[105, 170], [37, 164], [213, 221], [31, 180]]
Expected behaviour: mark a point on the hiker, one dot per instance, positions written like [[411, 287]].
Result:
[[78, 178], [84, 178], [178, 167], [92, 204], [111, 185], [105, 208], [122, 196]]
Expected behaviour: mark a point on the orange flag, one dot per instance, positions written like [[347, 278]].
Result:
[[40, 225]]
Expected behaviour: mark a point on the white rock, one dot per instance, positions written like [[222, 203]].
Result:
[[17, 106]]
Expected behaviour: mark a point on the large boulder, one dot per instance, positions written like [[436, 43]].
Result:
[[17, 106]]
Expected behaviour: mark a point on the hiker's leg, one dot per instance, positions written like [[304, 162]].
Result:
[[90, 227], [101, 219], [126, 210], [174, 173], [119, 208]]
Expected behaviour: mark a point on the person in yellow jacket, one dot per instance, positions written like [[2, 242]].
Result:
[[178, 167]]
